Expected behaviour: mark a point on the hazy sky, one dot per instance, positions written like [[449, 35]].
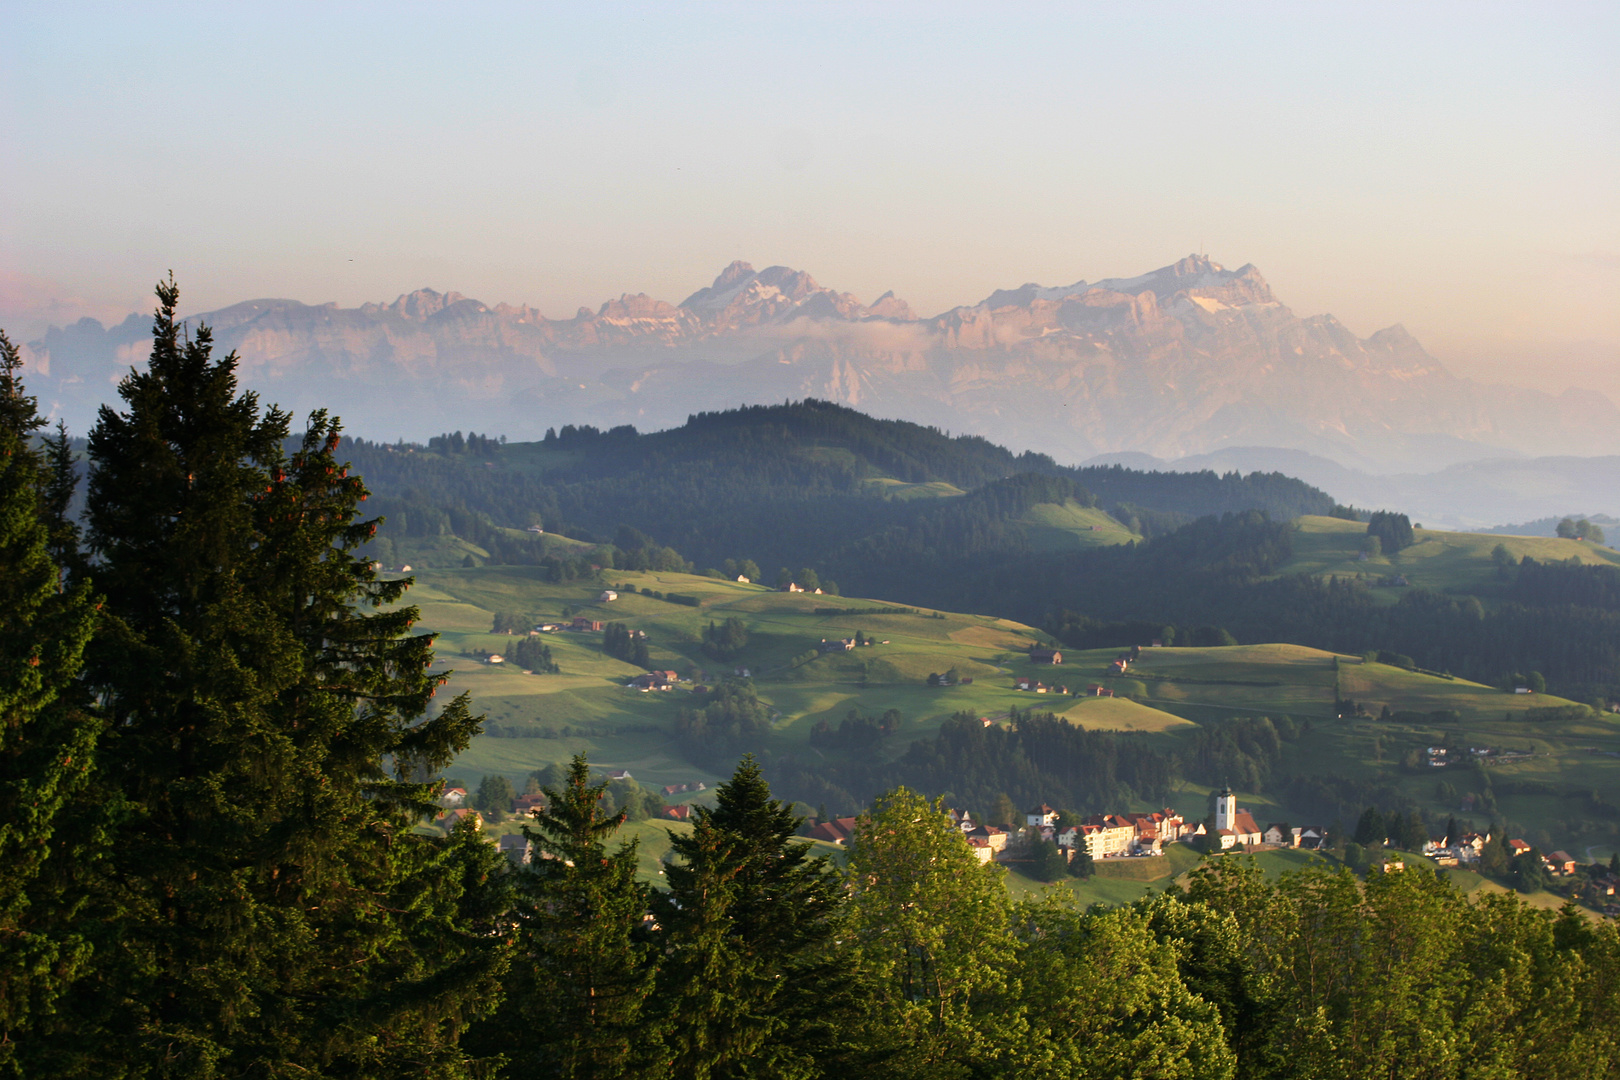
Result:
[[1452, 167]]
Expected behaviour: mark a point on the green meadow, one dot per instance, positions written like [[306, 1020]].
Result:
[[1167, 694], [1439, 560]]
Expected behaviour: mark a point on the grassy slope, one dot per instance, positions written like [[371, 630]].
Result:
[[587, 709], [1439, 560], [1051, 527]]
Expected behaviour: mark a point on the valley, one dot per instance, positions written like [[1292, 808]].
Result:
[[1553, 771]]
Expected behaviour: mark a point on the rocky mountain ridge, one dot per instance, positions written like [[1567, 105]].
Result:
[[1188, 359]]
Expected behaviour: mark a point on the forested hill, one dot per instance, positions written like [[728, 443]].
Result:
[[782, 485]]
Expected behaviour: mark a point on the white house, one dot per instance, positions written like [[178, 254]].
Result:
[[607, 595], [1042, 816]]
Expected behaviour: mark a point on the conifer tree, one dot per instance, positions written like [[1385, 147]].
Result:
[[748, 896], [266, 908], [47, 738], [582, 975]]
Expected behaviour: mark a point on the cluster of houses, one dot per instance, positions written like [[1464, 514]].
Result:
[[654, 680], [1110, 836], [1035, 686], [579, 623], [682, 789]]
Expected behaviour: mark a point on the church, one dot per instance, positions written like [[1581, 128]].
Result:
[[1236, 828]]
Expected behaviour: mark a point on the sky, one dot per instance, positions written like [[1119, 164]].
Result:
[[1451, 167]]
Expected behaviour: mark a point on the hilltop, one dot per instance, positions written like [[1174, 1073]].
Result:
[[807, 483]]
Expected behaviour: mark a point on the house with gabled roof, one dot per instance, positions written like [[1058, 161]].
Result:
[[1041, 816], [990, 834], [835, 831]]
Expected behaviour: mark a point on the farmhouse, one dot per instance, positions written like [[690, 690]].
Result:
[[515, 847], [791, 586], [1517, 847], [582, 623], [842, 645], [1098, 691], [528, 805], [652, 680], [837, 831], [619, 774], [1039, 655], [451, 818], [1308, 837], [679, 812], [1561, 862], [453, 796], [608, 595], [981, 848]]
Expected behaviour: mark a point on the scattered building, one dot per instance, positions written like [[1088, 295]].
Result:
[[679, 812], [451, 818], [1040, 655], [619, 774], [608, 596], [516, 847], [791, 586], [994, 837], [1561, 862], [453, 796], [582, 623], [1042, 816], [836, 831]]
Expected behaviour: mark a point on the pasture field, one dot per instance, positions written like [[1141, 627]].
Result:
[[1544, 784], [1439, 560], [1054, 527]]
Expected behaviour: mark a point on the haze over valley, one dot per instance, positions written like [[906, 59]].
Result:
[[1191, 365]]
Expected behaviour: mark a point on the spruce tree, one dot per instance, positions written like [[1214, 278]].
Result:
[[267, 909], [747, 896], [582, 975], [47, 739]]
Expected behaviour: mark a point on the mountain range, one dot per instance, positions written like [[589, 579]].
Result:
[[1190, 359]]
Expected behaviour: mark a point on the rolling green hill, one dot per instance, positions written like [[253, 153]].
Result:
[[1442, 561], [1557, 775]]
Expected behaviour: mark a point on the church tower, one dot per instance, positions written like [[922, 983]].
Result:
[[1225, 810]]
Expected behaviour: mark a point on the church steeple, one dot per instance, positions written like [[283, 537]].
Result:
[[1225, 810]]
